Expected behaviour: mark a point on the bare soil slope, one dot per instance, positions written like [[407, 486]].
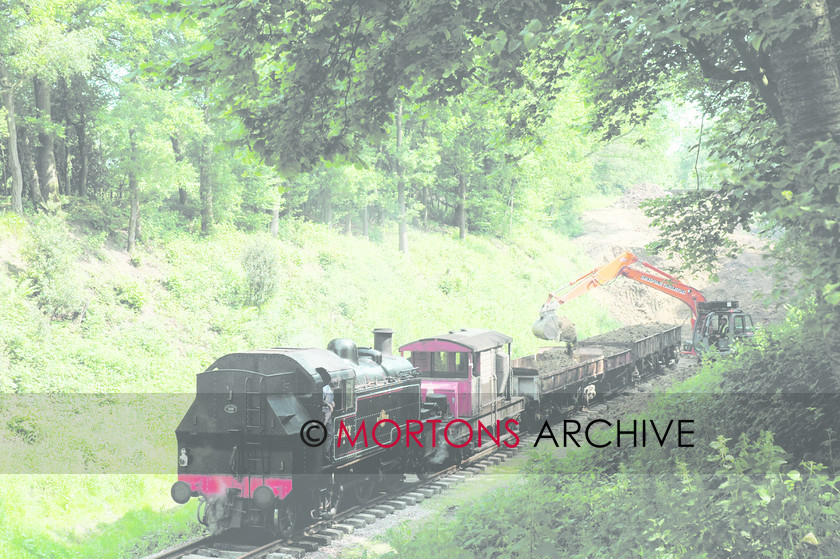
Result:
[[622, 227]]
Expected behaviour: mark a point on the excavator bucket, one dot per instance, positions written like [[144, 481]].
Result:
[[547, 326], [554, 328]]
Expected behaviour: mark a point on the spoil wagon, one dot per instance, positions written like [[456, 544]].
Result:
[[556, 380]]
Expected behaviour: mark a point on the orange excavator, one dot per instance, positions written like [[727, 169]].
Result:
[[714, 323]]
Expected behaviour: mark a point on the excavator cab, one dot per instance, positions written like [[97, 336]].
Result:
[[720, 324]]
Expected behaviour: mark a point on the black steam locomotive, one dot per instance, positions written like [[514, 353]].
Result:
[[243, 447]]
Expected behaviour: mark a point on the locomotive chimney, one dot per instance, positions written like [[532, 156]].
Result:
[[382, 340]]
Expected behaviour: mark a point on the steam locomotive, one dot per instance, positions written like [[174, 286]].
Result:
[[242, 445]]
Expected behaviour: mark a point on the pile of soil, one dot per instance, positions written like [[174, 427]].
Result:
[[626, 335], [639, 193], [554, 360]]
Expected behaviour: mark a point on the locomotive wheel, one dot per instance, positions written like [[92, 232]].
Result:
[[363, 490], [285, 518], [390, 481], [216, 516], [424, 470]]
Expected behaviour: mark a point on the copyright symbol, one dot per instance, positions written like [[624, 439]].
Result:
[[310, 435]]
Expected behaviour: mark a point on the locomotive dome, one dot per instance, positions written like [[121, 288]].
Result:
[[344, 348]]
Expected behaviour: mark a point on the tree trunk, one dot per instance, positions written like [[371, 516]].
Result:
[[512, 192], [461, 211], [134, 193], [14, 157], [31, 169], [274, 228], [179, 156], [807, 71], [47, 171], [326, 205], [365, 222], [808, 81], [205, 188], [425, 207], [403, 232], [62, 166], [348, 225], [81, 134]]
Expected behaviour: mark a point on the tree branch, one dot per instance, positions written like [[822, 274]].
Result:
[[710, 69], [757, 64]]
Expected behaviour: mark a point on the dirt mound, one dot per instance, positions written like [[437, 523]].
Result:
[[553, 361], [626, 335], [639, 193]]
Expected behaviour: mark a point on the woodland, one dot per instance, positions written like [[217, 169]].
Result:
[[186, 136]]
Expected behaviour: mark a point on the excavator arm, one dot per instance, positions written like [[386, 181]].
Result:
[[549, 326]]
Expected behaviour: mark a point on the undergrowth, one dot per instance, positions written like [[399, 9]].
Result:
[[736, 493], [150, 321]]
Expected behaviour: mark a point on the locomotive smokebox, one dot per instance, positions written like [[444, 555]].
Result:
[[383, 340]]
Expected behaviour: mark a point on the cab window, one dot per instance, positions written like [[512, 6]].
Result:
[[743, 325], [461, 363], [442, 364], [422, 360], [345, 396]]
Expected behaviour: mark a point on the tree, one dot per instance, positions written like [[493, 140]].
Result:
[[137, 131], [314, 81], [310, 80], [48, 43], [398, 168], [7, 92], [768, 73]]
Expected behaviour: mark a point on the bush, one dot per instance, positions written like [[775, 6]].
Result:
[[262, 273], [50, 254], [450, 283], [751, 504], [131, 295]]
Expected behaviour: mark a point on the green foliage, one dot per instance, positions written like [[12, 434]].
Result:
[[738, 493], [349, 96], [262, 272], [752, 505], [697, 226], [136, 533], [131, 295], [50, 253]]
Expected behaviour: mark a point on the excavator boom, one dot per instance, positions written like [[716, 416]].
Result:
[[550, 327]]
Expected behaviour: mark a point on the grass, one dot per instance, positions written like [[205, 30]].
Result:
[[136, 532], [149, 322], [737, 493], [443, 509]]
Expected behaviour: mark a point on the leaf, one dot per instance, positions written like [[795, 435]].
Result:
[[810, 538], [794, 475], [535, 26]]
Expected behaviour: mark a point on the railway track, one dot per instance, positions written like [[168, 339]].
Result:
[[324, 532]]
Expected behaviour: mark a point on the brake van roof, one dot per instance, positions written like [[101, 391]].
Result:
[[469, 339]]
